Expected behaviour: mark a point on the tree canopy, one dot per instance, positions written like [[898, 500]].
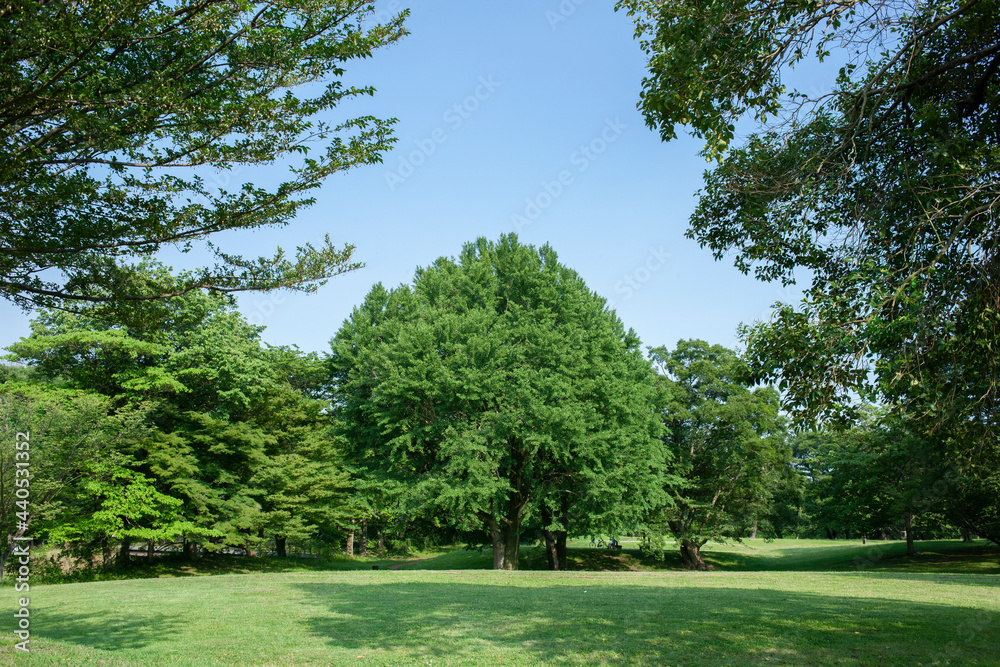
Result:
[[727, 444], [884, 188], [501, 389], [226, 449], [122, 125]]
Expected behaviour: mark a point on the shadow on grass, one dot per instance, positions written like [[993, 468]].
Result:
[[109, 632], [647, 625], [932, 557]]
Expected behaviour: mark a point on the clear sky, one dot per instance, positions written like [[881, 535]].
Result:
[[514, 116]]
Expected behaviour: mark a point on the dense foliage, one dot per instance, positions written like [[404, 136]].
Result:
[[501, 389], [884, 189]]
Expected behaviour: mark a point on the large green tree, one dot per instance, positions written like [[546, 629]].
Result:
[[501, 388], [123, 123], [728, 448], [229, 431], [51, 440], [884, 187]]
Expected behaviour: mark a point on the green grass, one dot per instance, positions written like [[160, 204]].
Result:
[[517, 618], [822, 555], [786, 602]]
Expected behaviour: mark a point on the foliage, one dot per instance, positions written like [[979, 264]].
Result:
[[884, 189], [500, 387], [242, 453], [107, 105], [65, 431], [727, 443]]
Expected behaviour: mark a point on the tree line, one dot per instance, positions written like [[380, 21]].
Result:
[[529, 407], [496, 399]]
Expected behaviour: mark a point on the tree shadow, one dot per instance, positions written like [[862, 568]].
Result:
[[642, 624], [106, 631]]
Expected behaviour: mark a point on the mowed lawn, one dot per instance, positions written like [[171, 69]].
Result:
[[406, 617]]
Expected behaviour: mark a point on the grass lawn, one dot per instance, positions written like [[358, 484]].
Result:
[[518, 618], [942, 608]]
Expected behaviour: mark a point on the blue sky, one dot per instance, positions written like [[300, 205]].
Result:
[[515, 116]]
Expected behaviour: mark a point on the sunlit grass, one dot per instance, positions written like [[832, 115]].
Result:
[[517, 618]]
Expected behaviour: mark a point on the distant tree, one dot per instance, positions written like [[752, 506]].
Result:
[[105, 106], [498, 385], [727, 444], [877, 478]]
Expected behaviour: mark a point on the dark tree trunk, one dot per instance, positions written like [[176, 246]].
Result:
[[350, 541], [150, 550], [691, 555], [497, 541], [551, 554], [124, 551], [555, 541], [105, 553], [966, 535], [561, 548], [911, 549], [364, 537], [281, 546], [506, 538]]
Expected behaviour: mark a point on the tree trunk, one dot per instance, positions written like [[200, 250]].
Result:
[[124, 551], [551, 553], [350, 542], [506, 538], [364, 537], [281, 546], [753, 533], [691, 555], [555, 541], [105, 553], [911, 549], [381, 542], [188, 551], [150, 550], [497, 541]]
